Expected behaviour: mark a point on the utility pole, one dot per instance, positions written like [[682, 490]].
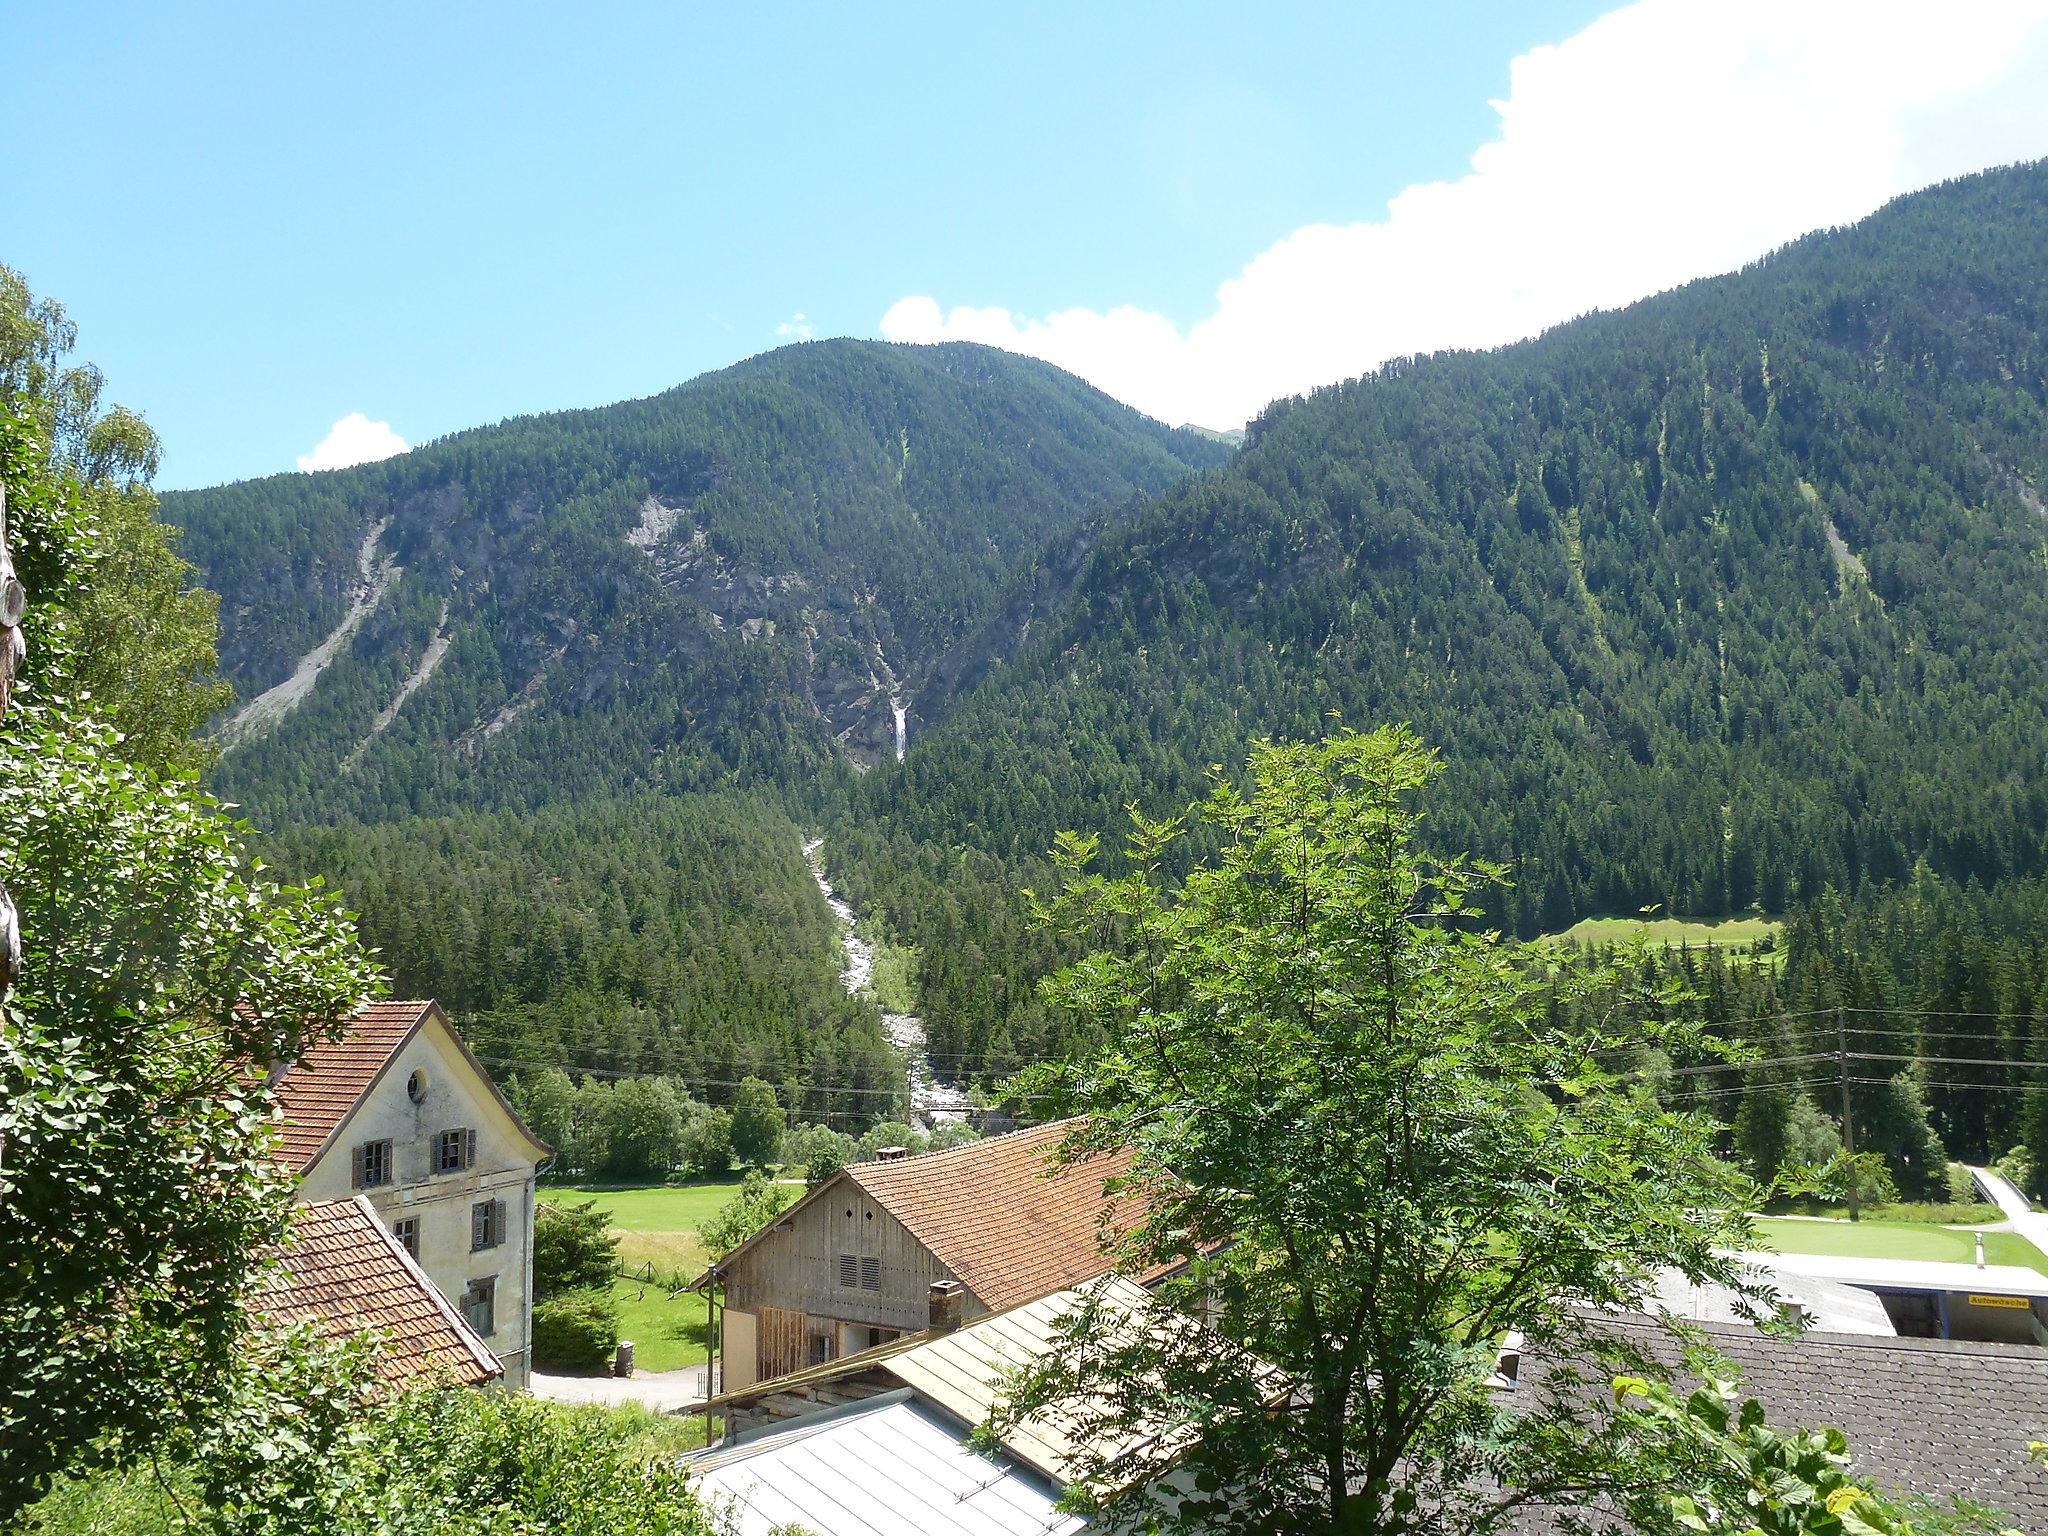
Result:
[[1848, 1131]]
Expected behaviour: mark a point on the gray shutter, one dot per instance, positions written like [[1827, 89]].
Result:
[[849, 1272], [871, 1274], [498, 1221], [355, 1177], [469, 1149]]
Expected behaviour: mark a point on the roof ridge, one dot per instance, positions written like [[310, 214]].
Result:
[[980, 1143]]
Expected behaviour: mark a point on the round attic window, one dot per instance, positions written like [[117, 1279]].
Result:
[[416, 1085]]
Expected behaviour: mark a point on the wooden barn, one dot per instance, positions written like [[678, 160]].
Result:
[[852, 1265]]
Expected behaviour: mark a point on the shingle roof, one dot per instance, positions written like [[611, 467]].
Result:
[[345, 1273], [995, 1214], [1928, 1416], [317, 1093]]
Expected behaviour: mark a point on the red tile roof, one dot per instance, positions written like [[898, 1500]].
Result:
[[317, 1094], [346, 1273], [990, 1213]]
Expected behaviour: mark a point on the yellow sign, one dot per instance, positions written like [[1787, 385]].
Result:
[[2017, 1303]]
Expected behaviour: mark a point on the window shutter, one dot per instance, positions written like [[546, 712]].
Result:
[[871, 1274], [355, 1177], [469, 1149], [497, 1221], [849, 1274], [479, 1220]]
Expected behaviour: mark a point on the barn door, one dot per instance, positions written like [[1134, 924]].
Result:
[[779, 1342]]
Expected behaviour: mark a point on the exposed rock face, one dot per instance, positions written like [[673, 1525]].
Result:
[[753, 575]]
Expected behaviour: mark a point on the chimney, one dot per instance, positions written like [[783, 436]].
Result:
[[891, 1154], [947, 1297]]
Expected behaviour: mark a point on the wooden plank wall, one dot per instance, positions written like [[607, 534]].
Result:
[[779, 1342]]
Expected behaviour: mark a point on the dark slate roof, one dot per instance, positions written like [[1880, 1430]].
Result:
[[1925, 1416]]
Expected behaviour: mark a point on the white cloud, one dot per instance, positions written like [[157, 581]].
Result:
[[1668, 140], [796, 328], [355, 439]]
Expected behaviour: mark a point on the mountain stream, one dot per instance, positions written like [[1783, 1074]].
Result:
[[931, 1100]]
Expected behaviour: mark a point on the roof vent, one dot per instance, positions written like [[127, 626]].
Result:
[[891, 1154], [947, 1299]]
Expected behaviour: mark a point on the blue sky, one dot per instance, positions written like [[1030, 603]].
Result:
[[264, 220]]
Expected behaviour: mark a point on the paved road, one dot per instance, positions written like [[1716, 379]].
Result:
[[2025, 1220], [662, 1391]]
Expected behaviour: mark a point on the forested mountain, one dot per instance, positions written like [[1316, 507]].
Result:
[[734, 580], [1715, 602], [1734, 599], [679, 936]]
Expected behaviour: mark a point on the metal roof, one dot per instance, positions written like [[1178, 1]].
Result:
[[890, 1466], [964, 1372], [1905, 1274], [1829, 1305]]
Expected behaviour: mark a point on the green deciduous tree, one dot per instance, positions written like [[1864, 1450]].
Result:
[[759, 1201], [1354, 1117], [546, 1101], [757, 1123], [138, 629], [164, 975]]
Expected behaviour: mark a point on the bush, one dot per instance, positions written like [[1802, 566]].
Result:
[[575, 1332], [2016, 1168], [759, 1202], [952, 1133], [573, 1248]]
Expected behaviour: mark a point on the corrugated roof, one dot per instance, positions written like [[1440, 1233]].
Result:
[[889, 1465], [996, 1214], [963, 1372], [1928, 1416], [345, 1273], [317, 1094]]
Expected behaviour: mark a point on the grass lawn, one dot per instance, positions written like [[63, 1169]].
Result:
[[1896, 1240], [1732, 933], [667, 1335], [656, 1223]]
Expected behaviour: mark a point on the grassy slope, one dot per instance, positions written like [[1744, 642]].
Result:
[[1732, 933], [658, 1225], [1897, 1240]]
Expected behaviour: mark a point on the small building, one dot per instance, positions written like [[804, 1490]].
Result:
[[1931, 1299], [343, 1271], [398, 1110], [1809, 1301], [851, 1266]]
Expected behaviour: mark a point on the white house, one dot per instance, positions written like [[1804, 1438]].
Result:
[[398, 1110]]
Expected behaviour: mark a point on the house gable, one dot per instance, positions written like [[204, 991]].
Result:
[[454, 1093]]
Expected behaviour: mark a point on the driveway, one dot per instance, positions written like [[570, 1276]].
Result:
[[2025, 1220], [661, 1391]]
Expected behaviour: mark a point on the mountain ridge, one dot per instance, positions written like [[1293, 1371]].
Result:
[[1711, 602], [760, 561]]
